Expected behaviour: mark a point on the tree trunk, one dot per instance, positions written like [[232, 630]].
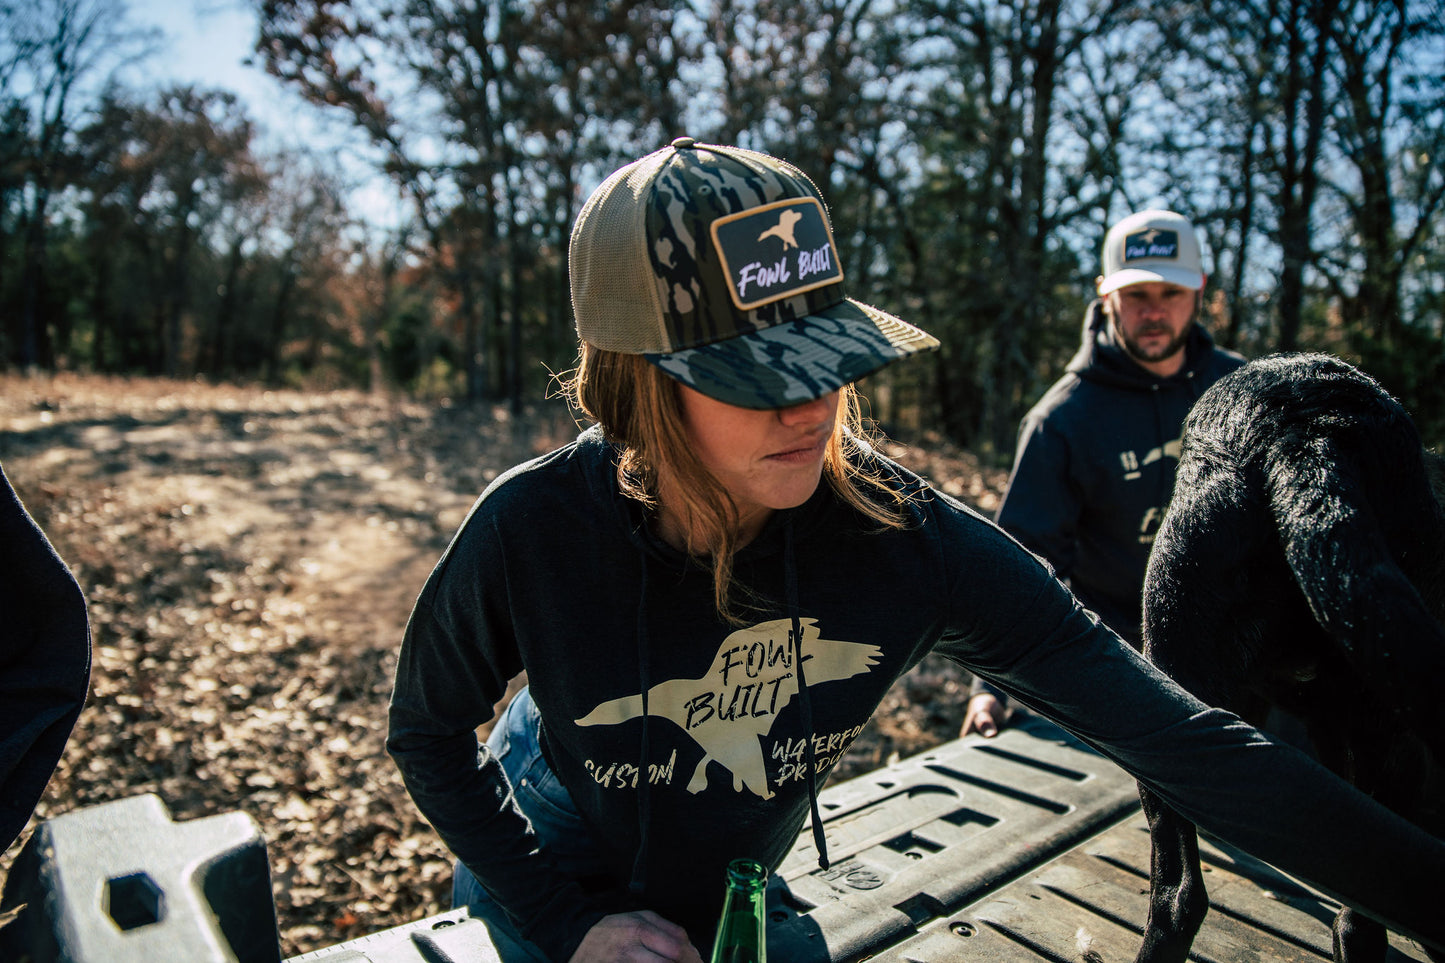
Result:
[[1306, 83], [32, 283]]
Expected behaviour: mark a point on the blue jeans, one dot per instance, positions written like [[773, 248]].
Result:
[[516, 744]]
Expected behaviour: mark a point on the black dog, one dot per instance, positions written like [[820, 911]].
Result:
[[1301, 565]]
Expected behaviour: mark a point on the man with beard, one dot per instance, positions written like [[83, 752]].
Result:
[[1096, 454]]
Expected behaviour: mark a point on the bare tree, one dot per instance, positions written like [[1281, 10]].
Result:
[[52, 50], [1393, 198], [989, 102], [507, 104], [160, 180]]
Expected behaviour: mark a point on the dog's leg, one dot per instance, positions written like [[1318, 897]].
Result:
[[1368, 748], [1177, 898], [1180, 641], [1358, 939]]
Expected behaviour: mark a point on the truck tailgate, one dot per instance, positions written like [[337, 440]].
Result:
[[1026, 847]]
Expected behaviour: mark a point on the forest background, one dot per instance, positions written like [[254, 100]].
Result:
[[250, 412], [973, 153]]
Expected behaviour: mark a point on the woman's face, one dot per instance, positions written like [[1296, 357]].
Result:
[[766, 459]]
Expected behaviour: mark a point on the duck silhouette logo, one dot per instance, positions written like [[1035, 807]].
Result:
[[783, 230], [735, 703]]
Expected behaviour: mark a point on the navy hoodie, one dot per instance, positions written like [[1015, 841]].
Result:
[[686, 741], [1094, 466]]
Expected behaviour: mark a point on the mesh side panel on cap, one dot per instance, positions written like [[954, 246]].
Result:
[[614, 293], [900, 334]]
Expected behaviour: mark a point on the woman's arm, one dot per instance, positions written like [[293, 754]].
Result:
[[1023, 631], [462, 791], [455, 662]]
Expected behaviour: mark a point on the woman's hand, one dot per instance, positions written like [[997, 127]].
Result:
[[644, 937]]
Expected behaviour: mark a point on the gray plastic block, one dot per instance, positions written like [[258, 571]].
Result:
[[121, 883]]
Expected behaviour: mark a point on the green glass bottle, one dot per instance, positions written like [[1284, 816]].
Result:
[[741, 932]]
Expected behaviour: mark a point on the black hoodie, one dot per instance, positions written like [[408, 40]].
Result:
[[1094, 467], [44, 661], [555, 572]]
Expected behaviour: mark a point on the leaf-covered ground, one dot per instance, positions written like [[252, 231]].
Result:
[[249, 558]]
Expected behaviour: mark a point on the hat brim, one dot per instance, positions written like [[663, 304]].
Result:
[[798, 360], [1193, 280]]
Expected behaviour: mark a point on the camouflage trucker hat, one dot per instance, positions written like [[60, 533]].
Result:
[[718, 265]]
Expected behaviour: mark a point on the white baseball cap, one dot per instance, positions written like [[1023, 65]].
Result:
[[1151, 246]]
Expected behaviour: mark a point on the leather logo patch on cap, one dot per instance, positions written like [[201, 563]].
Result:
[[776, 251], [1151, 243]]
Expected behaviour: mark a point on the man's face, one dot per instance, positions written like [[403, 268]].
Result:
[[1153, 321]]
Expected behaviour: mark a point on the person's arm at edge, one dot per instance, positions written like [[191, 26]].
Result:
[[46, 677]]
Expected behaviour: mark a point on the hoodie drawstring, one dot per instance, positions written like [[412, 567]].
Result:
[[790, 580], [644, 788]]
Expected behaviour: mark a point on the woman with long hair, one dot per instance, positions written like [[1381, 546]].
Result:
[[714, 586]]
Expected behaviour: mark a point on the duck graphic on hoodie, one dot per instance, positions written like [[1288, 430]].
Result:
[[733, 706]]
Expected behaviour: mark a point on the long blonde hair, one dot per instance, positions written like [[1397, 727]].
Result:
[[637, 407]]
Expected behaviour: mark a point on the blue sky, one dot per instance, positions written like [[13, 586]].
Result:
[[207, 43]]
